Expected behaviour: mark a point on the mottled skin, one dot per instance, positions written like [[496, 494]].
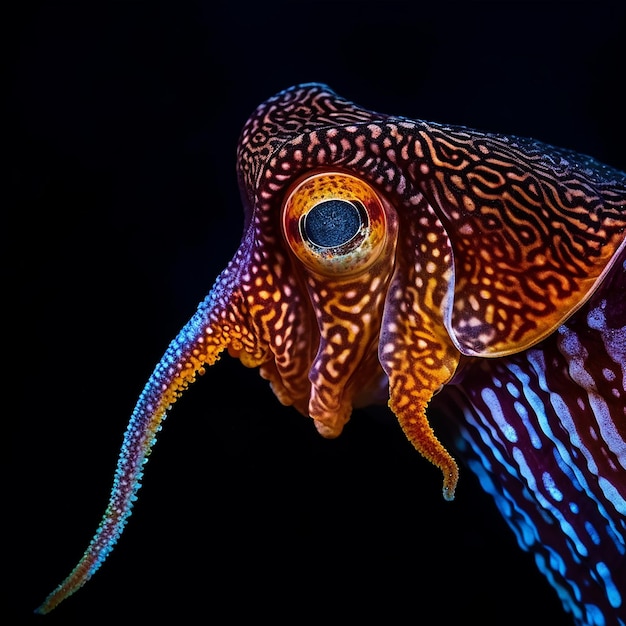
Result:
[[545, 432], [393, 260]]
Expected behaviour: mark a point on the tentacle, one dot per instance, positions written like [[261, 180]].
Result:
[[415, 350], [199, 343]]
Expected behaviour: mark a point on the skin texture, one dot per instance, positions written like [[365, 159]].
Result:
[[393, 260]]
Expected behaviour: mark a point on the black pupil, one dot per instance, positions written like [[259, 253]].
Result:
[[332, 223]]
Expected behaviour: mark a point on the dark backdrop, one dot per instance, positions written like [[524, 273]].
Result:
[[123, 120]]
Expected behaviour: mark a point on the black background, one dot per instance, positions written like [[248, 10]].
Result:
[[124, 119]]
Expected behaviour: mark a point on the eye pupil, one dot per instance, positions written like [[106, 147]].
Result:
[[332, 223]]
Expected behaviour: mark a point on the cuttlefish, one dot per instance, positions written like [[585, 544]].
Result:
[[399, 261]]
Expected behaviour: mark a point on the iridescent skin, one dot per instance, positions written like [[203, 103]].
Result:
[[393, 260]]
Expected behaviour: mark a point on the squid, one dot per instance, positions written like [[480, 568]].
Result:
[[433, 268]]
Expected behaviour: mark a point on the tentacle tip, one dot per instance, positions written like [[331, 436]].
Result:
[[448, 493], [450, 480], [42, 609], [49, 604]]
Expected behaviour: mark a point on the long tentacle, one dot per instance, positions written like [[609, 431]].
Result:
[[199, 342]]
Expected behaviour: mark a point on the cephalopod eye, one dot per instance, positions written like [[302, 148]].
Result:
[[334, 223]]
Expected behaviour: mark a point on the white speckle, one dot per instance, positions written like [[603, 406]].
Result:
[[491, 400], [596, 318], [551, 488], [513, 390], [612, 494], [535, 440]]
